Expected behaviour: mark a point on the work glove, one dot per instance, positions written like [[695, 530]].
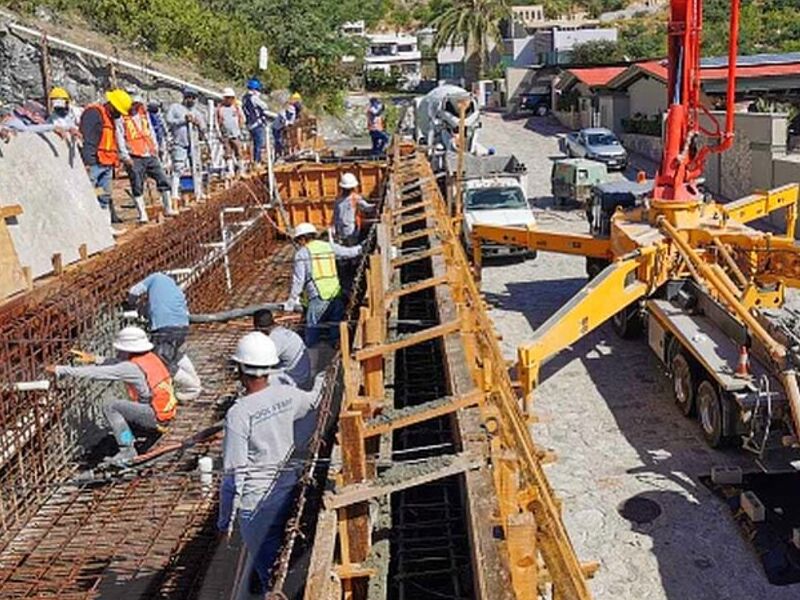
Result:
[[291, 305], [86, 358]]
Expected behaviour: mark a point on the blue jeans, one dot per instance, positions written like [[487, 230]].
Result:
[[379, 141], [277, 135], [263, 528], [259, 141], [102, 176], [327, 312]]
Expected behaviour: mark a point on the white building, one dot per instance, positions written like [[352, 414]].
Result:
[[354, 28], [398, 53]]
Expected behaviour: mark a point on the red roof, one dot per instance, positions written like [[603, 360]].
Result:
[[595, 76], [657, 69]]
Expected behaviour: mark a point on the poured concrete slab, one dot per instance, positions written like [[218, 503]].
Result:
[[46, 177]]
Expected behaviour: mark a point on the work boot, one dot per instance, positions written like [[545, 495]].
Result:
[[140, 207], [166, 200], [114, 216], [123, 458]]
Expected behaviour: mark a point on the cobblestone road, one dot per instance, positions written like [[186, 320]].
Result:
[[607, 410]]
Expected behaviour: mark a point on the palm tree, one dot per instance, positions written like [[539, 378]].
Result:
[[472, 23]]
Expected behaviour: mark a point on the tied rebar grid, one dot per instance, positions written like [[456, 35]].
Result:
[[430, 547], [66, 548]]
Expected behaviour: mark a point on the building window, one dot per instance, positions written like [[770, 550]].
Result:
[[451, 71], [405, 48]]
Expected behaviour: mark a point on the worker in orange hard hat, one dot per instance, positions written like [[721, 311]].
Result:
[[100, 151]]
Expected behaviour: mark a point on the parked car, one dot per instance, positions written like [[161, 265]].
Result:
[[596, 143], [537, 102], [572, 179]]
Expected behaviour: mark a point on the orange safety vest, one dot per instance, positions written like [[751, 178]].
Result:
[[137, 136], [159, 381], [107, 150]]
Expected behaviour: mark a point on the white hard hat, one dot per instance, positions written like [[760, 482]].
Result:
[[132, 339], [348, 181], [256, 353], [304, 229], [228, 93]]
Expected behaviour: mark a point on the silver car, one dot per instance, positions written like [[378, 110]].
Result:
[[597, 143]]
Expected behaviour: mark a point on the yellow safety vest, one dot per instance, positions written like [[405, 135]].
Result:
[[323, 269]]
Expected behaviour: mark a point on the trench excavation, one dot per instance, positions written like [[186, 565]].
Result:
[[153, 532], [430, 546]]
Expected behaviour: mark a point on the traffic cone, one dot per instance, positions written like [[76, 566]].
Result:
[[743, 366]]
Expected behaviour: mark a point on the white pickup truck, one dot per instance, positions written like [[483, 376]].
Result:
[[494, 193]]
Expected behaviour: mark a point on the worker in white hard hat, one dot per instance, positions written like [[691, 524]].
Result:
[[151, 402], [348, 212], [315, 283], [264, 429], [230, 120]]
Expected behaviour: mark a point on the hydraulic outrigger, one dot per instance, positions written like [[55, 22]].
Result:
[[676, 236]]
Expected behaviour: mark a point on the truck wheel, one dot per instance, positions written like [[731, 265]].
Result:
[[709, 413], [627, 323], [682, 383]]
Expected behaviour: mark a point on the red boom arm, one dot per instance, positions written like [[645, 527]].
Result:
[[682, 160]]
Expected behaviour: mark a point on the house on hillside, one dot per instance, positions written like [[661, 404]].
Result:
[[582, 95]]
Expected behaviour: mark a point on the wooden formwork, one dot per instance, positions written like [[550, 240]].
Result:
[[535, 550], [303, 135], [308, 190]]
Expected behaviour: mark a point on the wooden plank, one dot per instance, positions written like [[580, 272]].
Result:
[[354, 470], [413, 339], [10, 210], [415, 235], [320, 581], [417, 286], [359, 493], [12, 276], [456, 403], [410, 258]]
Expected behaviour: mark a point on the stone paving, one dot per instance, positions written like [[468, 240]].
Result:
[[606, 409]]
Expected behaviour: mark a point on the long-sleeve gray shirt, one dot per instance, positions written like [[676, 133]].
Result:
[[293, 356], [344, 217], [260, 437], [176, 121], [302, 279], [119, 133], [124, 371]]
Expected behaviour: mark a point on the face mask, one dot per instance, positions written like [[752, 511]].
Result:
[[189, 102], [61, 111]]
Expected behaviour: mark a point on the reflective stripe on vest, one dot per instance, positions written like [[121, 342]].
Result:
[[107, 151], [137, 134], [162, 396], [323, 269]]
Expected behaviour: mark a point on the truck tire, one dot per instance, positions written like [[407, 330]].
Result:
[[627, 323], [709, 413], [683, 383]]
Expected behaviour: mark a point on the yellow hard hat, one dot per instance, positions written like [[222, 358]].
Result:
[[121, 100], [295, 97], [58, 93]]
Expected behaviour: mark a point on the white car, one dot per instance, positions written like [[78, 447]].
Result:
[[497, 201]]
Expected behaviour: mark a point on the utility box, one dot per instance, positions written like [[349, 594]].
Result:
[[752, 507]]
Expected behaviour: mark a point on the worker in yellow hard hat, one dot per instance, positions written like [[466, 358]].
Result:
[[100, 150], [296, 100], [61, 111]]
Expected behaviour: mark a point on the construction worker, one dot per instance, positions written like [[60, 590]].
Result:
[[297, 102], [62, 113], [151, 404], [257, 116], [292, 352], [162, 302], [159, 127], [316, 281], [30, 117], [377, 126], [182, 116], [100, 151], [263, 429], [138, 151], [348, 212], [230, 120]]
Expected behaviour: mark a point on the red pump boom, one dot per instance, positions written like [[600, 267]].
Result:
[[683, 158]]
